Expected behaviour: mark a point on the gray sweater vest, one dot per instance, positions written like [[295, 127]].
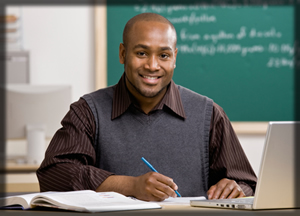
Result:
[[176, 147]]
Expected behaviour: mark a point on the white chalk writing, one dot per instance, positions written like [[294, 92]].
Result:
[[202, 4], [193, 19], [210, 49], [280, 62], [223, 35], [184, 35], [272, 33]]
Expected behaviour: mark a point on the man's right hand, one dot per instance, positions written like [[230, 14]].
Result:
[[154, 186], [151, 186]]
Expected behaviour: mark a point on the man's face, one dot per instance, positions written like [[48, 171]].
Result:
[[149, 58]]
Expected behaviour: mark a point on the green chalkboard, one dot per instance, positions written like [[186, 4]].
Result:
[[240, 56]]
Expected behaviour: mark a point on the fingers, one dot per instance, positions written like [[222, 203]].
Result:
[[225, 188], [155, 187], [157, 195], [211, 192], [165, 185], [168, 182], [236, 193]]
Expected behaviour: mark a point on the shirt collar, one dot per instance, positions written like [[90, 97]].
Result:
[[122, 100]]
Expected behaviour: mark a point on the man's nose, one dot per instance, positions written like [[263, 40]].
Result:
[[152, 64]]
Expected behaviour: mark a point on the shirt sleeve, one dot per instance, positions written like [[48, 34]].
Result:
[[226, 155], [69, 162]]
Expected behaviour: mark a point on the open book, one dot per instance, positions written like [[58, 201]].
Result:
[[83, 201]]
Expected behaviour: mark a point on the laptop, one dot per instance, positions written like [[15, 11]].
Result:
[[276, 187]]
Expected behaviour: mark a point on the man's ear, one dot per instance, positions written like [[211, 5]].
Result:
[[122, 53]]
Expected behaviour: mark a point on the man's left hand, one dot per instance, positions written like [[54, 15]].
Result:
[[225, 189]]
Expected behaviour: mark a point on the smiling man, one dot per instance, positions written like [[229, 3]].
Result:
[[149, 56], [186, 136]]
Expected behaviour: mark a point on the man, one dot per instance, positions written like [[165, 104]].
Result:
[[186, 136]]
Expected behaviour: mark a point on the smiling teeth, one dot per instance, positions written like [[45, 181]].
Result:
[[148, 77]]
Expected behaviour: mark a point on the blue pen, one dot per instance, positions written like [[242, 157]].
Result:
[[154, 170]]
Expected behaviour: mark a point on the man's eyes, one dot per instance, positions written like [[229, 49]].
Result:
[[162, 56], [141, 53]]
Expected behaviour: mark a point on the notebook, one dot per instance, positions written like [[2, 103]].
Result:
[[276, 187]]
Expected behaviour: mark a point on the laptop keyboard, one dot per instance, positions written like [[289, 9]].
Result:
[[237, 201]]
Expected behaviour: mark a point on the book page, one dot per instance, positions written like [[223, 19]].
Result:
[[90, 201], [22, 200]]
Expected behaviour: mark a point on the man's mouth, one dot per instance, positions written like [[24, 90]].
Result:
[[149, 77]]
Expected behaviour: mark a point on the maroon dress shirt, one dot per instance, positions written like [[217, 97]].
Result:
[[70, 158]]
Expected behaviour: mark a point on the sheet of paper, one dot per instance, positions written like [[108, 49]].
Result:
[[179, 200]]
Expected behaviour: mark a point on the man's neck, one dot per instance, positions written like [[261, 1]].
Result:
[[147, 104]]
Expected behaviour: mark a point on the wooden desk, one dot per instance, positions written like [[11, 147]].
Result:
[[19, 182], [18, 178], [19, 168], [167, 210]]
